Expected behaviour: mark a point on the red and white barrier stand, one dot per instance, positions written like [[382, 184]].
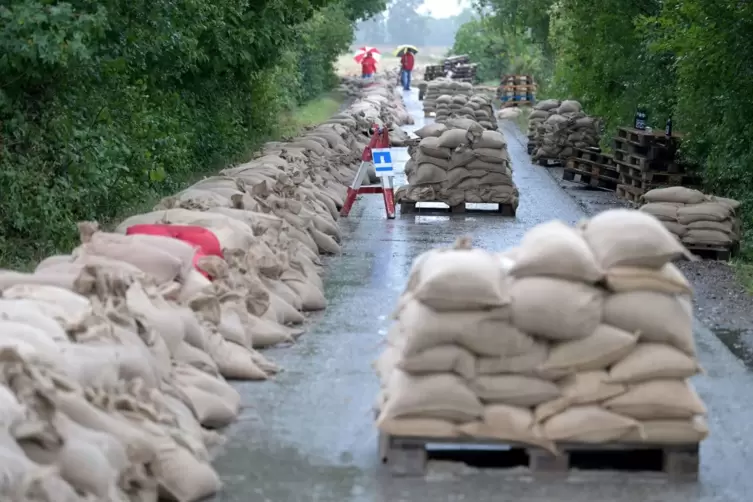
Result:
[[377, 152]]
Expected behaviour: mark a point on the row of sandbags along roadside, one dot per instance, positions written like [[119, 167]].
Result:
[[579, 335], [458, 162], [696, 219], [556, 128], [115, 358]]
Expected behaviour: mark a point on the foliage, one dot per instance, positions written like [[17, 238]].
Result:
[[107, 105], [404, 23], [498, 51]]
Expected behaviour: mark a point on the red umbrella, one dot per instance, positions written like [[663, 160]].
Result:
[[361, 53]]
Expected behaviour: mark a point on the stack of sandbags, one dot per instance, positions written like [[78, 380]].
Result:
[[698, 220], [579, 335], [475, 107], [115, 359], [459, 162], [444, 87], [541, 111], [565, 130]]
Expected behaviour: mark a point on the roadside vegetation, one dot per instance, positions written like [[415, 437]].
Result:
[[107, 106], [691, 60]]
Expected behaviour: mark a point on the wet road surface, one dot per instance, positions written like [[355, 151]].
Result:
[[308, 435]]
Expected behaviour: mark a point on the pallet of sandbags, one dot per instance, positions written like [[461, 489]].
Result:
[[476, 107], [542, 346], [541, 111], [566, 130], [444, 88], [459, 162], [708, 226], [409, 456]]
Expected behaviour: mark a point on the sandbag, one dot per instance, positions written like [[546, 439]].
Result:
[[589, 387], [514, 390], [588, 424], [556, 309], [524, 363], [621, 237], [657, 317], [418, 427], [506, 423], [481, 332], [461, 279], [554, 249], [668, 279], [440, 396], [440, 359], [658, 400], [597, 351], [680, 195], [680, 432], [653, 361]]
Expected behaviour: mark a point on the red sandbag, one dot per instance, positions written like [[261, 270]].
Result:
[[204, 238]]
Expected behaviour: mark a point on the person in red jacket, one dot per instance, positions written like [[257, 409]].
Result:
[[407, 62], [368, 66]]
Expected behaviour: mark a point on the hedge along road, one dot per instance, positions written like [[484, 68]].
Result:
[[308, 435]]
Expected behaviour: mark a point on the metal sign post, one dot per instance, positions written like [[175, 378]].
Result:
[[377, 152]]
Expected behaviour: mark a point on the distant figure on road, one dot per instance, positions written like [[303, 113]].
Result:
[[407, 62], [368, 66]]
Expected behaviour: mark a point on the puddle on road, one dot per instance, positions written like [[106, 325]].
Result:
[[733, 339]]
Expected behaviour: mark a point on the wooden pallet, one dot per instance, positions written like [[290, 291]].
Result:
[[629, 193], [591, 173], [549, 162], [408, 456], [594, 155], [643, 138], [412, 208], [648, 181], [427, 114], [650, 152], [718, 253]]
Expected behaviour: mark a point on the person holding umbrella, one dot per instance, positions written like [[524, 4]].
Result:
[[367, 57], [368, 66], [407, 61]]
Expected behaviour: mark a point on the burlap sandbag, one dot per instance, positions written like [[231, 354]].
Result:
[[556, 309], [482, 332], [441, 359], [681, 432], [627, 237], [707, 237], [681, 195], [452, 138], [731, 203], [422, 158], [726, 226], [432, 147], [588, 387], [418, 427], [526, 363], [665, 211], [676, 228], [514, 390], [431, 130], [658, 400], [462, 279], [597, 351], [711, 211], [557, 250], [668, 279], [507, 423], [442, 396], [588, 424], [653, 361], [428, 174], [656, 317], [491, 139], [492, 155]]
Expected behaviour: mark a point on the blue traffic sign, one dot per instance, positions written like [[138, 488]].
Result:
[[382, 158]]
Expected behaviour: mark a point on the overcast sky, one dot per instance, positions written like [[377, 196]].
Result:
[[443, 8]]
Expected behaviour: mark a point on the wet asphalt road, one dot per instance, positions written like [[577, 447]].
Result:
[[308, 435]]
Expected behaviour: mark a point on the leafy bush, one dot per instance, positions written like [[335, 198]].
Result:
[[107, 105]]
